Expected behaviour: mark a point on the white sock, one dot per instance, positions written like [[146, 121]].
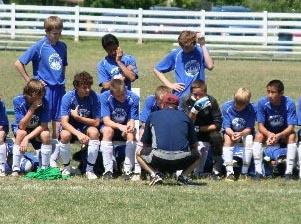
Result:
[[45, 155], [2, 157], [228, 159], [299, 159], [92, 154], [290, 157], [203, 149], [65, 153], [56, 153], [16, 158], [247, 156], [137, 168], [129, 160], [257, 155], [106, 148]]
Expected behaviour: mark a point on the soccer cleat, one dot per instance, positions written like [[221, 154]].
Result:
[[2, 173], [136, 177], [107, 175], [156, 180], [230, 178], [216, 176], [258, 177], [184, 180], [15, 174], [66, 171], [243, 177], [127, 176], [90, 175]]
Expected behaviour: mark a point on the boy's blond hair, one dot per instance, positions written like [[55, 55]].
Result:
[[34, 88], [52, 23], [117, 86], [187, 38], [242, 96], [161, 91]]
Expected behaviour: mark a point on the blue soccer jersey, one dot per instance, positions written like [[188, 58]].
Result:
[[188, 67], [120, 112], [150, 105], [89, 107], [169, 130], [48, 61], [107, 69], [21, 107], [3, 116], [238, 120], [299, 111], [276, 118]]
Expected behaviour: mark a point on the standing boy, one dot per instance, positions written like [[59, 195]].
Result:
[[276, 117], [31, 124], [119, 110], [49, 58], [116, 65]]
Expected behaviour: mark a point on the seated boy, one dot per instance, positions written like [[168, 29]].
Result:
[[80, 119], [238, 123], [276, 117], [119, 110], [31, 124], [3, 132]]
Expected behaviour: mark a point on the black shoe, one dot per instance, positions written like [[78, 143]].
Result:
[[216, 176], [257, 177], [127, 176], [184, 180], [156, 180], [107, 176]]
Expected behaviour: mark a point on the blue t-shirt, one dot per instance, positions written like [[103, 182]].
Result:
[[188, 67], [21, 107], [120, 112], [89, 107], [48, 61], [238, 120], [3, 115], [150, 105], [299, 111], [107, 69], [169, 130], [276, 118]]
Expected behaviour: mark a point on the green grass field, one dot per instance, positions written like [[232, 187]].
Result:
[[80, 201]]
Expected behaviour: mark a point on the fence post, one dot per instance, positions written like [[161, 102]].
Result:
[[76, 24], [203, 22], [265, 28], [140, 18], [13, 21]]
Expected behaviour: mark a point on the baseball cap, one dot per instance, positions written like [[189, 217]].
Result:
[[170, 98]]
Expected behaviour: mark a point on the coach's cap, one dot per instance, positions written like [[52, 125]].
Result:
[[169, 98]]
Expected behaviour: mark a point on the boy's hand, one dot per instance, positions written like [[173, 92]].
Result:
[[74, 113], [200, 39], [272, 139], [23, 145], [119, 54], [130, 128], [83, 138], [236, 136], [35, 105]]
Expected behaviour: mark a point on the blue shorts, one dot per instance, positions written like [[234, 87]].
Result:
[[54, 95], [275, 152]]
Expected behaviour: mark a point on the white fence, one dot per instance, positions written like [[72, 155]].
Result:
[[225, 32]]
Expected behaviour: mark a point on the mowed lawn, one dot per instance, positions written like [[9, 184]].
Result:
[[80, 201]]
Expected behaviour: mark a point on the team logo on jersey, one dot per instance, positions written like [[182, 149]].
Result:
[[119, 115], [238, 124], [84, 112], [276, 121], [192, 68], [55, 61], [115, 73], [34, 122]]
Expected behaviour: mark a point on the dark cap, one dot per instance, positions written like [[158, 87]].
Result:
[[169, 98]]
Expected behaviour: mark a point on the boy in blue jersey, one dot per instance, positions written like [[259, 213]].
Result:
[[276, 117], [204, 111], [189, 62], [4, 127], [31, 124], [119, 110], [116, 65], [169, 142], [299, 136], [238, 123], [49, 59], [80, 118]]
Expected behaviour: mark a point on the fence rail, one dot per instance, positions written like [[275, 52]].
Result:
[[267, 32]]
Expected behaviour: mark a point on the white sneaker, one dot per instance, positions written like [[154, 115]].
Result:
[[136, 177], [66, 171], [90, 175], [2, 173], [15, 174]]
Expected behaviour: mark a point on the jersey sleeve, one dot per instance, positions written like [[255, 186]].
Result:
[[104, 105], [226, 117], [252, 117], [167, 64], [148, 103], [29, 55], [132, 62], [102, 74], [260, 112], [291, 114], [65, 105], [135, 108], [96, 106], [19, 113]]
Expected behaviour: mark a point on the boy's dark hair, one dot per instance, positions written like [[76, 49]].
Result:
[[108, 40], [34, 88], [82, 78], [187, 38], [198, 84], [277, 84]]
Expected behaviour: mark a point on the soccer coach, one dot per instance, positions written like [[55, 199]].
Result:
[[169, 142]]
